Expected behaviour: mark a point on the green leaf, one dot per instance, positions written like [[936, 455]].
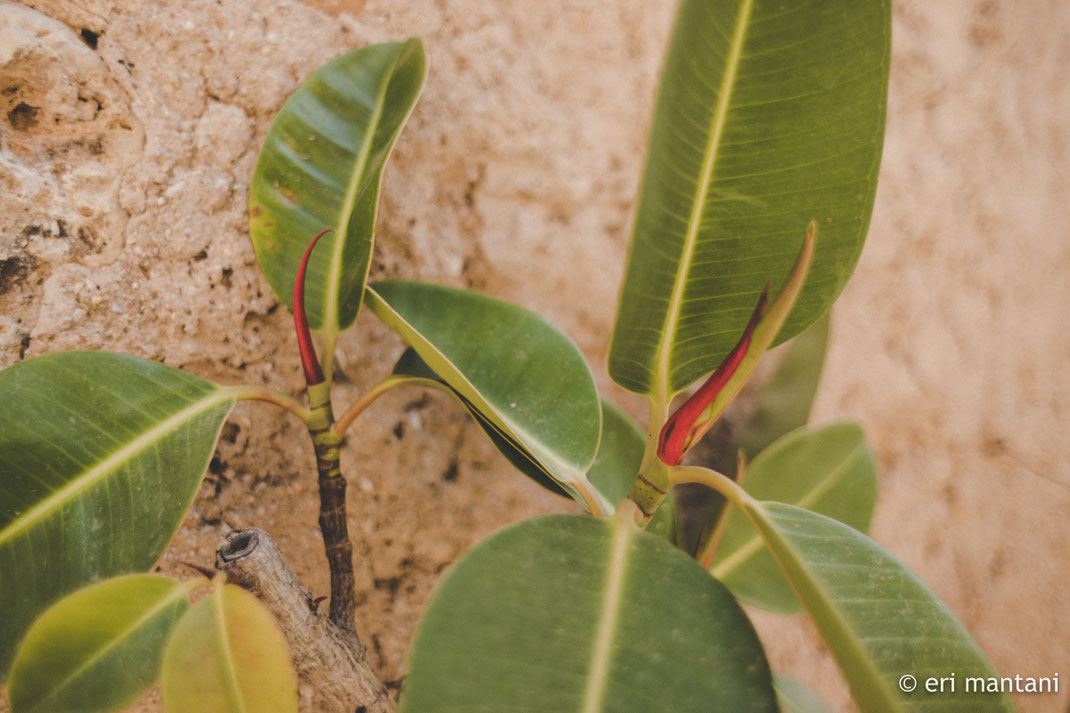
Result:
[[515, 371], [615, 467], [768, 116], [227, 655], [98, 649], [321, 166], [879, 620], [795, 697], [785, 400], [570, 613], [100, 457], [827, 470], [411, 365]]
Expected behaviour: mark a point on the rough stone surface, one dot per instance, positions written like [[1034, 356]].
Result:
[[129, 132]]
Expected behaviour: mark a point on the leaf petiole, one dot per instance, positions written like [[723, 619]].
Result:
[[714, 531], [257, 393], [369, 397], [681, 474]]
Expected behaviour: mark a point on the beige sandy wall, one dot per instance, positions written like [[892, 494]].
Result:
[[122, 227]]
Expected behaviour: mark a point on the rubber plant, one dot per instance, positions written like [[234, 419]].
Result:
[[755, 200]]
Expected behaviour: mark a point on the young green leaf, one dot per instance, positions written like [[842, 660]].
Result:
[[828, 470], [227, 655], [98, 649], [571, 614], [786, 398], [886, 629], [321, 166], [767, 117], [100, 457], [517, 373]]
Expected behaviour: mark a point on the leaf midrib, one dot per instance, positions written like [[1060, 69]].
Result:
[[89, 477], [230, 670], [662, 384], [822, 606], [334, 277], [598, 677]]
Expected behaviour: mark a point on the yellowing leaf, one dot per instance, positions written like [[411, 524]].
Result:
[[227, 655]]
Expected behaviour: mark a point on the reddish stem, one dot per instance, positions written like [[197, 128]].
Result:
[[679, 432], [309, 362]]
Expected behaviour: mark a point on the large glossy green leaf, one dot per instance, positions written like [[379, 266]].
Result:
[[227, 655], [574, 614], [827, 470], [879, 620], [320, 168], [786, 398], [98, 649], [100, 457], [769, 116], [615, 467], [518, 374]]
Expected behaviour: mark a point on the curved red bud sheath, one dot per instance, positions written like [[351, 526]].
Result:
[[685, 427], [309, 362]]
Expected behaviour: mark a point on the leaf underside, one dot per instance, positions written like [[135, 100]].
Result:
[[828, 470], [879, 620], [571, 613], [100, 457], [320, 167], [769, 116]]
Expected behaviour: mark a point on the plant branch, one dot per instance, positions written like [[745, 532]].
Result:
[[330, 659], [332, 520]]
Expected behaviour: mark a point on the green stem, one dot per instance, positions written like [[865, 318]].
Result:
[[656, 416], [328, 341], [651, 484], [256, 393], [649, 490]]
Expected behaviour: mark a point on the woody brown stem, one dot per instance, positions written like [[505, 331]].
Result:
[[332, 519], [332, 661]]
